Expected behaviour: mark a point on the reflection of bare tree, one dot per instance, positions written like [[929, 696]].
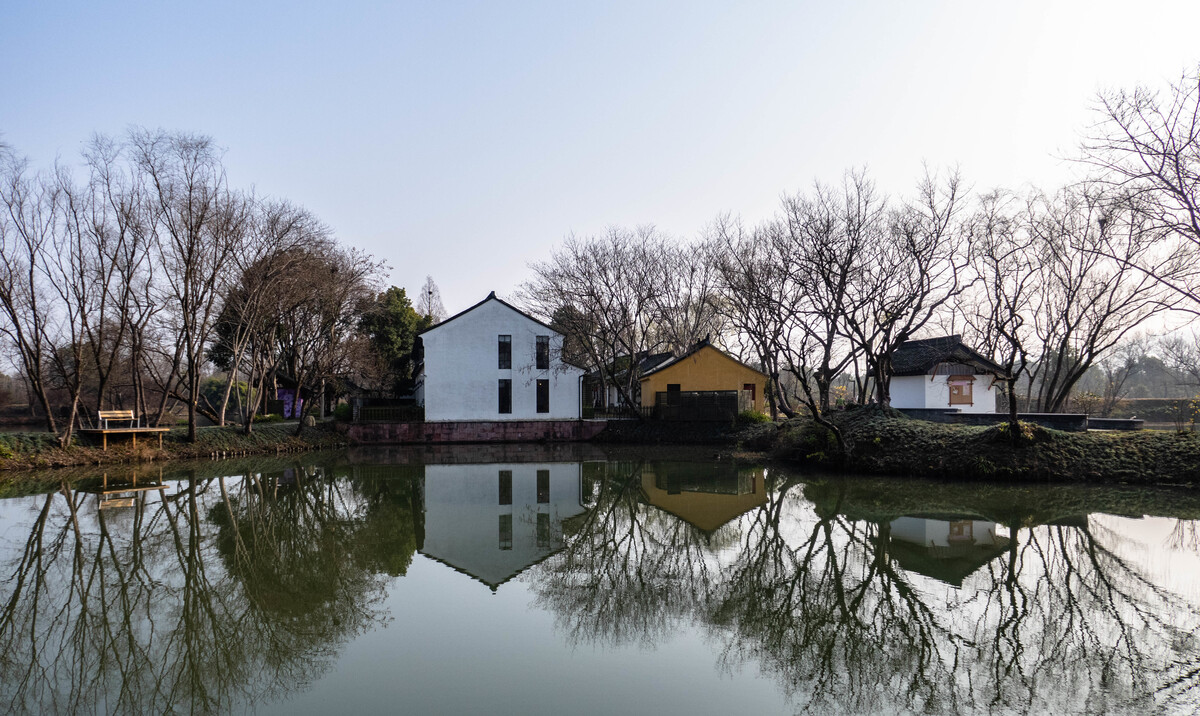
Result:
[[1060, 622], [1185, 536], [628, 572], [230, 590]]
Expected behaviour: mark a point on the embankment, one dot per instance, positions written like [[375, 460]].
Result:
[[39, 450], [888, 443]]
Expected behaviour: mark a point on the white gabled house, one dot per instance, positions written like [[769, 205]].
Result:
[[943, 373], [493, 362]]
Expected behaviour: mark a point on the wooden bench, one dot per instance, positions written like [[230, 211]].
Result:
[[132, 430]]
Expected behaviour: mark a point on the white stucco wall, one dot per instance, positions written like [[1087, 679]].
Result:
[[462, 515], [925, 391], [461, 378], [908, 391], [927, 532]]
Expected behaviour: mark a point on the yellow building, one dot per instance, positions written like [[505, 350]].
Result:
[[706, 368]]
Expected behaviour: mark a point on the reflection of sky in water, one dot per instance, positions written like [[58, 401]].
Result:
[[1164, 550]]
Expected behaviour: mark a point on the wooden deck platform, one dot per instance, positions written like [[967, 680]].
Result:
[[132, 432]]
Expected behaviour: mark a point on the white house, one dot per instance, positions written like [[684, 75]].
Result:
[[493, 362], [492, 521], [943, 373]]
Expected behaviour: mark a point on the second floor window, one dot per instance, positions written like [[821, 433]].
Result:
[[543, 352], [505, 347]]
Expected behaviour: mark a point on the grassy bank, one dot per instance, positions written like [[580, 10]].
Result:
[[884, 443], [40, 450]]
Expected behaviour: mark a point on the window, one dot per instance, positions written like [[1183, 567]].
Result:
[[543, 352], [674, 396], [543, 396], [960, 390], [506, 487], [505, 395], [752, 389], [962, 531], [506, 532], [505, 348], [543, 486], [543, 530]]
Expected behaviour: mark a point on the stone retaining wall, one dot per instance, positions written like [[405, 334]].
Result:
[[512, 431], [1069, 422]]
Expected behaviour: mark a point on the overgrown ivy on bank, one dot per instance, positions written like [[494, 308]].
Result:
[[889, 443]]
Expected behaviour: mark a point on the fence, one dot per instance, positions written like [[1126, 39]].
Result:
[[618, 413], [697, 405], [388, 413]]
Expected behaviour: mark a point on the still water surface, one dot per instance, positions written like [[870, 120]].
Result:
[[532, 580]]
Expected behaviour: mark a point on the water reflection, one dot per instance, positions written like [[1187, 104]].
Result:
[[241, 588], [221, 590], [492, 521], [947, 613], [949, 548]]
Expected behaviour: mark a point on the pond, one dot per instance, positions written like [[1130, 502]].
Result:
[[554, 580]]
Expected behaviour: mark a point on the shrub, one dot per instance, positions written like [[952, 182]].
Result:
[[269, 418], [343, 412], [749, 417]]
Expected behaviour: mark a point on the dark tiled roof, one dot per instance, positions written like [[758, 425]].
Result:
[[921, 356], [649, 362]]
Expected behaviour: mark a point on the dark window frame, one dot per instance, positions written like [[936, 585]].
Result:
[[543, 395], [542, 353], [504, 351], [543, 487], [504, 406], [506, 487]]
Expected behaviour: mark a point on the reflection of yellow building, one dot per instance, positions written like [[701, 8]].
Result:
[[703, 495], [705, 368]]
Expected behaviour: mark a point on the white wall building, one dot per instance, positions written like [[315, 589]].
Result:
[[943, 373], [493, 521], [494, 362]]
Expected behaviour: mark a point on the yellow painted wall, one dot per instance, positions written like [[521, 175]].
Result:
[[706, 369]]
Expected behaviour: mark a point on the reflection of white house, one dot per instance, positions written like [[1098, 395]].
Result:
[[494, 362], [493, 521], [943, 373], [948, 548]]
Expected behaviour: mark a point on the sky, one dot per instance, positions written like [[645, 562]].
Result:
[[466, 140]]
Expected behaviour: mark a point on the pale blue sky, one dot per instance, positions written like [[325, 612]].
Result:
[[464, 140]]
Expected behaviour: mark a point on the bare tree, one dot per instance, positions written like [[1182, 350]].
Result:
[[271, 256], [825, 240], [915, 271], [30, 207], [429, 303], [997, 308], [197, 224], [604, 292], [1087, 302], [319, 325], [1148, 146], [753, 285], [1118, 368]]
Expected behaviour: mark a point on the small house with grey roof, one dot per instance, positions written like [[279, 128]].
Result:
[[944, 373]]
